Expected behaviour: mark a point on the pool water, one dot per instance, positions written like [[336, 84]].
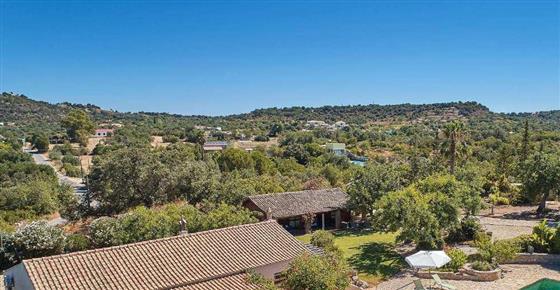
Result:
[[543, 284]]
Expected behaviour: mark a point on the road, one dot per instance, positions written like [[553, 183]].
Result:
[[76, 183]]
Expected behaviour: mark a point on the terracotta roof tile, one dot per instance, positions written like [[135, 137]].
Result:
[[168, 263], [233, 282], [288, 204]]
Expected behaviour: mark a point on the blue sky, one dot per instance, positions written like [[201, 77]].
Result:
[[229, 57]]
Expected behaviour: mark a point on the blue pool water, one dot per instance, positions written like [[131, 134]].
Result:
[[543, 284]]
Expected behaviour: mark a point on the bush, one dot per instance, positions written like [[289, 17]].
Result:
[[72, 160], [482, 266], [323, 239], [262, 138], [458, 259], [522, 242], [105, 232], [8, 256], [316, 272], [495, 199], [465, 232], [39, 239], [77, 242], [555, 243], [542, 237], [497, 252], [504, 251], [170, 139], [55, 155], [71, 170]]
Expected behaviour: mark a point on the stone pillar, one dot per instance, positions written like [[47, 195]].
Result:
[[338, 219], [323, 221]]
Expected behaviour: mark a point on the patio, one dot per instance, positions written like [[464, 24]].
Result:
[[515, 277]]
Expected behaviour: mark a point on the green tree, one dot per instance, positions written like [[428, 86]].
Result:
[[525, 146], [40, 142], [371, 183], [424, 212], [263, 164], [453, 133], [541, 177], [309, 272], [78, 126], [127, 178], [235, 159], [227, 215]]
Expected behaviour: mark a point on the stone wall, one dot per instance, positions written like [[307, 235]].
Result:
[[463, 274], [536, 258]]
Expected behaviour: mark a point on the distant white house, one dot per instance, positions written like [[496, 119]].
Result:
[[215, 145], [339, 149], [340, 125], [103, 132], [324, 125]]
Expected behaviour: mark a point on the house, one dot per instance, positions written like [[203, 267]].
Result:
[[327, 207], [215, 145], [316, 124], [340, 125], [103, 132], [215, 259], [339, 149]]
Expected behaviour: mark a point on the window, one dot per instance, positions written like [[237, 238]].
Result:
[[279, 277]]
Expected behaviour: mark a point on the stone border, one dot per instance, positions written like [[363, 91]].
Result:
[[536, 258], [466, 273]]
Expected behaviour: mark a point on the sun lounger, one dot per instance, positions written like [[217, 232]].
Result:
[[418, 285], [442, 284]]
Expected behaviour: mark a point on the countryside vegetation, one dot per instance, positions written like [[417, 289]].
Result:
[[430, 169]]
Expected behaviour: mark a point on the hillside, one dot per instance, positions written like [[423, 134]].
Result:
[[28, 113]]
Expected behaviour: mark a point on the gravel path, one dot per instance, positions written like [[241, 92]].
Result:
[[516, 276], [507, 228]]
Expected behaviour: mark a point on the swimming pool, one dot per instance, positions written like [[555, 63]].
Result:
[[543, 284]]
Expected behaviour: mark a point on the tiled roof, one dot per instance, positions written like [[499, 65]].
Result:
[[216, 143], [170, 262], [233, 282], [287, 204]]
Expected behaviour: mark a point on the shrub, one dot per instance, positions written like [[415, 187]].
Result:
[[77, 242], [465, 232], [71, 170], [55, 155], [261, 138], [72, 160], [322, 239], [316, 272], [542, 236], [170, 139], [458, 259], [504, 251], [555, 243], [7, 251], [260, 281], [522, 242], [482, 266], [495, 199], [39, 239], [497, 252], [105, 232]]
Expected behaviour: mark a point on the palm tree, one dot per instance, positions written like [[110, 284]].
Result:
[[453, 133]]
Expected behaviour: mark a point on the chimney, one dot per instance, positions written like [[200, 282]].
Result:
[[269, 214], [183, 226]]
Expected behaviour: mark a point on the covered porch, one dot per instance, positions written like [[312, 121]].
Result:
[[302, 224]]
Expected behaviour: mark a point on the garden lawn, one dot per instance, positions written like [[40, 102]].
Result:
[[372, 254]]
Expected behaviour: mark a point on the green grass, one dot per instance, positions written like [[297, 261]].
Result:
[[371, 254]]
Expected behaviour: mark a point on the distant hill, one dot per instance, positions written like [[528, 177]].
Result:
[[26, 112]]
